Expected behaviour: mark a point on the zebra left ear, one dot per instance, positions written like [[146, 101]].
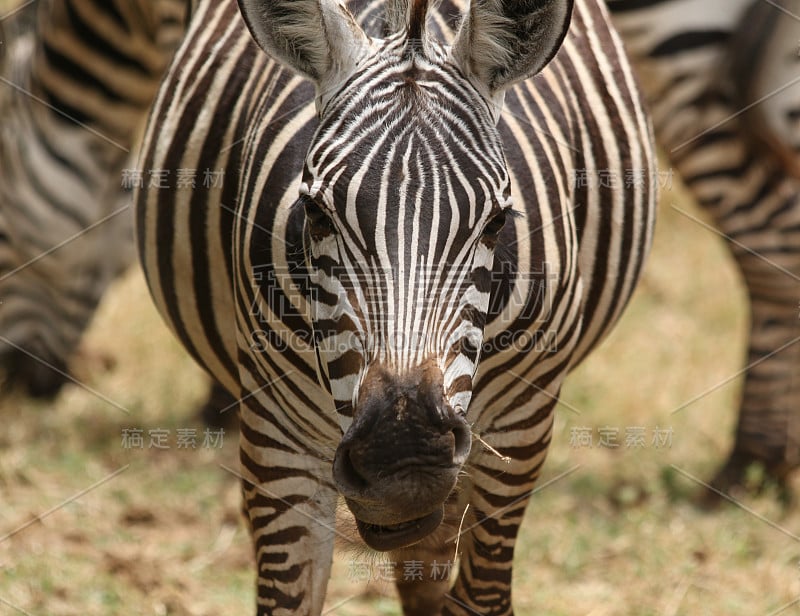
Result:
[[501, 42], [319, 39]]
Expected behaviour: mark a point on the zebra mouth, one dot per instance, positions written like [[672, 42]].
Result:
[[395, 536]]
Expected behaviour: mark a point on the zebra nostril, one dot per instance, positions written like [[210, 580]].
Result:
[[463, 444], [345, 474]]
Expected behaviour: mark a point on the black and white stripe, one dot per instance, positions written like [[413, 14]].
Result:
[[723, 83], [78, 79], [405, 215]]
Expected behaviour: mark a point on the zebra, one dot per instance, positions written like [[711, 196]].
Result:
[[365, 278], [78, 77], [721, 79]]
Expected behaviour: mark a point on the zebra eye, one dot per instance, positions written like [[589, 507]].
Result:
[[319, 223], [495, 223]]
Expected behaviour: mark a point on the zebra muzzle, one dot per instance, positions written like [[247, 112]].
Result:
[[400, 458], [396, 536]]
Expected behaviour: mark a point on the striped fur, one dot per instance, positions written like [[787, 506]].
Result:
[[378, 233], [722, 80], [79, 76]]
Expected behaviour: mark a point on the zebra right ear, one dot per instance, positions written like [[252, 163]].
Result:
[[319, 39], [501, 42]]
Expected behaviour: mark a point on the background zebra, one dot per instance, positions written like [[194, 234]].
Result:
[[300, 305], [78, 78], [722, 82]]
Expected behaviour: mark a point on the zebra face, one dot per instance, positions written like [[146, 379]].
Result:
[[404, 192]]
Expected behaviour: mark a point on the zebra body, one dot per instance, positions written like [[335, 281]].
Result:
[[722, 82], [78, 78], [350, 218]]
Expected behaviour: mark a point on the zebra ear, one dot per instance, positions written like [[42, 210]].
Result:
[[501, 42], [319, 39]]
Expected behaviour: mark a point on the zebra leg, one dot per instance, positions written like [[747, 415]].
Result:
[[422, 571], [500, 494], [220, 408], [40, 377], [767, 430], [290, 504], [766, 244], [758, 212], [483, 585], [421, 589], [753, 193]]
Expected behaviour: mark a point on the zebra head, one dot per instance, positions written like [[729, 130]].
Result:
[[405, 191]]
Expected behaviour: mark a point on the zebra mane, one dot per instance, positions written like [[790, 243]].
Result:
[[410, 16]]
